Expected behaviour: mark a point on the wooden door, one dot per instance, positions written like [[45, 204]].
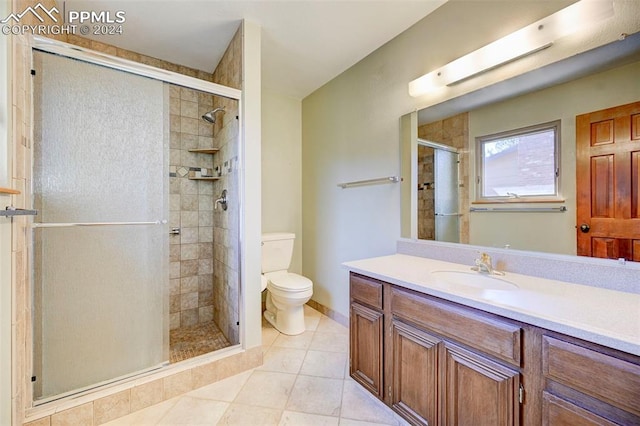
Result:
[[608, 183], [477, 390], [414, 392], [366, 348]]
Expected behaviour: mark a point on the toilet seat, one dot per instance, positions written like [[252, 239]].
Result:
[[289, 282]]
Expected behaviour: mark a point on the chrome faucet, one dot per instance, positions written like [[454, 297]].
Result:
[[483, 265]]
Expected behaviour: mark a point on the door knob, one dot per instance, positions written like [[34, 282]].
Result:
[[584, 228]]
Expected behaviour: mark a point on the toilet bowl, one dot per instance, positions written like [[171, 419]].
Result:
[[286, 295], [286, 292]]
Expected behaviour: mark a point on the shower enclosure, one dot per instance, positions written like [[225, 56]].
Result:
[[203, 295], [438, 200], [133, 266]]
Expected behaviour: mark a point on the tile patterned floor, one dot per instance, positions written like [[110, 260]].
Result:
[[189, 342], [304, 381]]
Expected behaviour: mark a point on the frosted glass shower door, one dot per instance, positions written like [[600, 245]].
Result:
[[100, 241], [446, 195]]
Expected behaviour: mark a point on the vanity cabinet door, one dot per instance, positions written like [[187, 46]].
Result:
[[477, 390], [366, 329], [414, 393]]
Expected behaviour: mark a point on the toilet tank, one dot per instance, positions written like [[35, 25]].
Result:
[[277, 249]]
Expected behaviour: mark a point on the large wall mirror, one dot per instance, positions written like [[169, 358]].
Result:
[[603, 78]]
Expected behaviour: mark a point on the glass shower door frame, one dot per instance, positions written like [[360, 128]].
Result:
[[446, 222], [101, 244], [89, 56], [447, 216]]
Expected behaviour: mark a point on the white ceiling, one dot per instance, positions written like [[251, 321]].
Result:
[[305, 43]]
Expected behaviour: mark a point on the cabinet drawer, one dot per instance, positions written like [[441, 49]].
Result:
[[366, 290], [558, 411], [596, 374], [493, 337]]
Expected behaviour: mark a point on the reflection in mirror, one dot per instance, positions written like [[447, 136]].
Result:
[[438, 201], [544, 226]]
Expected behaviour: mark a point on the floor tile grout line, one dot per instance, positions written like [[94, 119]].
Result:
[[341, 399], [307, 348], [297, 376], [166, 413]]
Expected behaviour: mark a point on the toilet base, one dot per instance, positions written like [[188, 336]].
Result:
[[289, 322], [271, 318]]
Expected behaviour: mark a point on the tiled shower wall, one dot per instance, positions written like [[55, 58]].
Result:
[[226, 290], [454, 131], [205, 278], [190, 210], [426, 200]]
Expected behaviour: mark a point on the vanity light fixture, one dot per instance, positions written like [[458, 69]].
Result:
[[530, 39]]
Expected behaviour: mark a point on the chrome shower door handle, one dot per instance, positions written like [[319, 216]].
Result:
[[11, 211], [222, 201]]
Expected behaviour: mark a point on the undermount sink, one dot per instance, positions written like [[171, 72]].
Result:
[[474, 279]]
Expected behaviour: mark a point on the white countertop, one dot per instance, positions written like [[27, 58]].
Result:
[[607, 317]]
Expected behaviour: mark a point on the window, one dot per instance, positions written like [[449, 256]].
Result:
[[520, 164]]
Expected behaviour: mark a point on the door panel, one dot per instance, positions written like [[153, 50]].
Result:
[[415, 377], [602, 133], [635, 250], [366, 348], [635, 184], [608, 182], [478, 391], [99, 317], [602, 186], [100, 248], [635, 127], [446, 196], [605, 247]]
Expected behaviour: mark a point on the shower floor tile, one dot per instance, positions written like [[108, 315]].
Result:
[[189, 342]]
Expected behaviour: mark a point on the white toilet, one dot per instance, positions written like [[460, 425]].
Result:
[[286, 292]]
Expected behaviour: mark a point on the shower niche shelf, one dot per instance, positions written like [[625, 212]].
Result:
[[211, 178], [204, 151]]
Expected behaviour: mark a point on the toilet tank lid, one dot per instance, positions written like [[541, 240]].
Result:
[[276, 236]]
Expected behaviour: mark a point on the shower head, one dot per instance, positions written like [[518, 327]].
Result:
[[210, 116]]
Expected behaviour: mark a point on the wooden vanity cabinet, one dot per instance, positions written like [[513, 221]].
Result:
[[439, 363], [366, 334]]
